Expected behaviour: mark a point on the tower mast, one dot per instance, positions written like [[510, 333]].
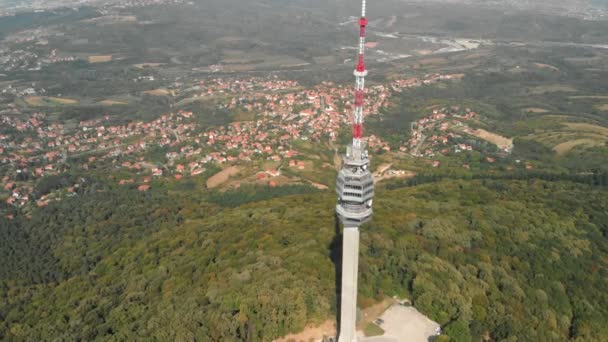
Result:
[[360, 73], [355, 189]]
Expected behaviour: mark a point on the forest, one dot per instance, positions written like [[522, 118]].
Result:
[[491, 255], [508, 259]]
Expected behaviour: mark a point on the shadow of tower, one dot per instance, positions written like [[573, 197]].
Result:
[[335, 253]]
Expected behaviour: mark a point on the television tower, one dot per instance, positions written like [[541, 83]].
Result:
[[355, 189]]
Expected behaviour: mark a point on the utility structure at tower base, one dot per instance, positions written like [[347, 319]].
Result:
[[355, 189]]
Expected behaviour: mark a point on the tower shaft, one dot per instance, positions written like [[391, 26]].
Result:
[[350, 265]]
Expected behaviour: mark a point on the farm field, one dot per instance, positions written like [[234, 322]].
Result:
[[100, 59], [38, 101], [112, 103]]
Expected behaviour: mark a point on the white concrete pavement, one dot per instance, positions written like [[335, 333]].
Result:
[[404, 324]]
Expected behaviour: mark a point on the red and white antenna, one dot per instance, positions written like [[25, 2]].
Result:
[[360, 73]]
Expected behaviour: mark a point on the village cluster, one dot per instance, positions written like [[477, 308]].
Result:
[[280, 112], [446, 131]]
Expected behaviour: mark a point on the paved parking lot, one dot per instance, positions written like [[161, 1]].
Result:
[[404, 324]]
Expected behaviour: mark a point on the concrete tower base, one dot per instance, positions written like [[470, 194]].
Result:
[[350, 265]]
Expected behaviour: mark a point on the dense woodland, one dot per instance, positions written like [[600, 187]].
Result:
[[509, 259], [494, 256]]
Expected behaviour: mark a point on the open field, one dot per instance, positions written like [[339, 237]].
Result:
[[498, 140], [99, 59], [553, 138], [433, 61], [423, 52], [238, 60], [546, 66], [319, 185], [190, 100], [382, 168], [306, 165], [148, 65], [112, 103], [571, 135], [567, 146], [111, 19], [242, 115], [535, 110], [222, 176], [603, 107], [552, 88], [158, 92], [585, 127], [37, 101], [589, 97]]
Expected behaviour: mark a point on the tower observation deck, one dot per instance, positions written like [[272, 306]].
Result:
[[355, 189]]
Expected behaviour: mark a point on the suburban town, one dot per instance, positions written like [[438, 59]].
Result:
[[276, 114]]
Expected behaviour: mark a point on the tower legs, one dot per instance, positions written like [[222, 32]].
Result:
[[350, 265]]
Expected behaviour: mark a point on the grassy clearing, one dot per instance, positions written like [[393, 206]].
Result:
[[554, 138], [552, 88], [242, 115], [585, 127], [191, 100], [568, 146], [372, 329], [573, 135], [433, 61], [603, 107], [111, 19], [589, 97]]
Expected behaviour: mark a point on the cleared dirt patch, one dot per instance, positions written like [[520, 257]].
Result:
[[424, 52], [382, 167], [319, 185], [567, 146], [546, 66], [312, 333], [157, 92], [112, 103], [535, 110], [222, 176], [100, 59]]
